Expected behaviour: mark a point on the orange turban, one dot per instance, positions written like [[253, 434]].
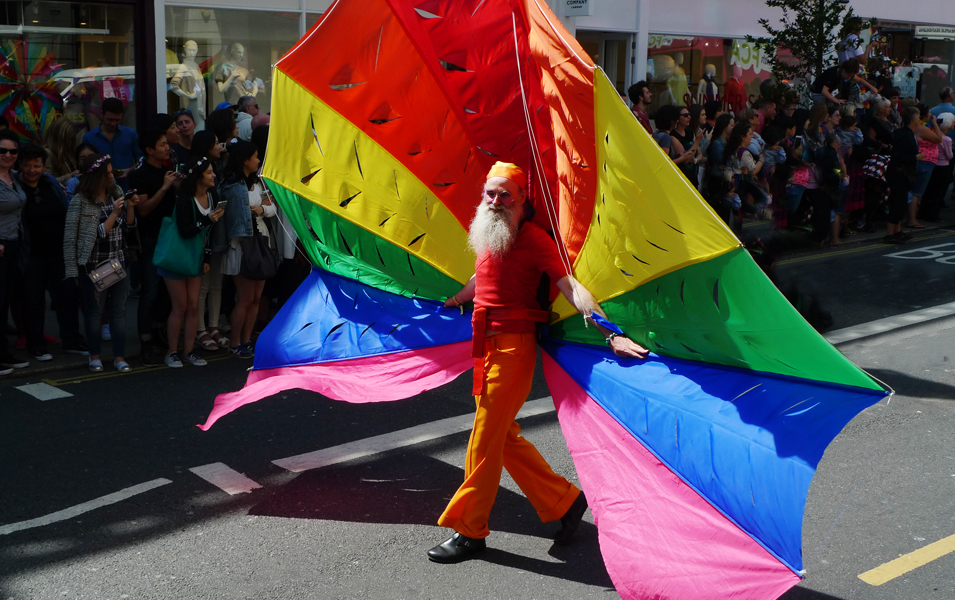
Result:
[[509, 171]]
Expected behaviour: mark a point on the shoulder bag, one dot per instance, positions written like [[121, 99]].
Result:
[[176, 253]]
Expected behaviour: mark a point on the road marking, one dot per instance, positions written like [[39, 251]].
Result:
[[79, 509], [935, 253], [43, 391], [398, 439], [841, 336], [909, 562], [854, 250], [110, 374], [228, 480]]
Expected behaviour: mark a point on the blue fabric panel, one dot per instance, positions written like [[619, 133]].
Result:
[[605, 323], [748, 442], [331, 318]]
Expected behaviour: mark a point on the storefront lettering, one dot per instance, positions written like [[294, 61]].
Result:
[[658, 40], [746, 56]]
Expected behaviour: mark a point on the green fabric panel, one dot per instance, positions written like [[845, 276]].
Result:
[[346, 249], [724, 311]]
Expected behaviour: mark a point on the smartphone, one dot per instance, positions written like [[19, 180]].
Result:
[[129, 194], [222, 204], [117, 172]]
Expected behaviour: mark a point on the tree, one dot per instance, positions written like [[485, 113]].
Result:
[[809, 31]]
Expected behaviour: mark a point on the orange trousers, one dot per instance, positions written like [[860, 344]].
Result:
[[496, 443]]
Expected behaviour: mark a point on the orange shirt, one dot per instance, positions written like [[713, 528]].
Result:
[[512, 281]]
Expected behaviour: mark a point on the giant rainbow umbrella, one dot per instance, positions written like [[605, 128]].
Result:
[[386, 118]]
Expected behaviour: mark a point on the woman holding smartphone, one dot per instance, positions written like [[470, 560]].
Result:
[[96, 224], [196, 211], [205, 143]]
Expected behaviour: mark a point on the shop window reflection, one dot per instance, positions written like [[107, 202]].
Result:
[[220, 55], [64, 59]]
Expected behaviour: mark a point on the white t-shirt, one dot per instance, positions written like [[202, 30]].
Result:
[[850, 48], [255, 199]]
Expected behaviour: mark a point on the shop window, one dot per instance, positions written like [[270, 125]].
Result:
[[685, 70], [62, 59], [219, 55]]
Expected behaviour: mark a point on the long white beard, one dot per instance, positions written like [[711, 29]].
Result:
[[494, 231]]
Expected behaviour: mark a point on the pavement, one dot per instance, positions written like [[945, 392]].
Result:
[[108, 490]]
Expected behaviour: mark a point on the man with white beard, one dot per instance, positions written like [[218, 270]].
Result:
[[512, 254]]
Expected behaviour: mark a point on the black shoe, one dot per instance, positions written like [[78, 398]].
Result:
[[571, 520], [160, 334], [12, 362], [904, 236], [41, 355], [893, 239], [80, 349], [147, 354], [456, 549]]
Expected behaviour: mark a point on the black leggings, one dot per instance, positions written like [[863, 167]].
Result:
[[898, 196]]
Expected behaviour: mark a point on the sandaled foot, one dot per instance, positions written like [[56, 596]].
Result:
[[220, 340], [204, 339]]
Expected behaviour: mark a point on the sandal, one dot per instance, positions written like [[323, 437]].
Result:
[[220, 340], [204, 339]]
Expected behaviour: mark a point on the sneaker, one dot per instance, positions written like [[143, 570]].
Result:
[[106, 335], [12, 362], [41, 355], [195, 360], [173, 360], [242, 350], [148, 354], [5, 372], [79, 349]]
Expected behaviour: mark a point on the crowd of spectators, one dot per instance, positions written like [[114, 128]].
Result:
[[860, 155], [175, 217]]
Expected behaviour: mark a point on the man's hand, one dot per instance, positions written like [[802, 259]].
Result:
[[627, 348], [169, 179]]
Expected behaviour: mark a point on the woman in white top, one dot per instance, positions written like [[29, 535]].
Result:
[[248, 206]]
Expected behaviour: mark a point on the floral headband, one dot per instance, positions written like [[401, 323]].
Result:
[[202, 161], [98, 163]]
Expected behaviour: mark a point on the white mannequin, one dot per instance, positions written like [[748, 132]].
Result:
[[707, 89], [678, 82], [189, 84], [232, 79]]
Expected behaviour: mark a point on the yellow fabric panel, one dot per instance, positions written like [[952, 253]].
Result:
[[646, 210], [319, 155]]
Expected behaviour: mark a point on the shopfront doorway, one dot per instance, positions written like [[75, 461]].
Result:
[[612, 52]]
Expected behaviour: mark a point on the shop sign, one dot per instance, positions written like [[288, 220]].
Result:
[[747, 56], [578, 8], [658, 40], [935, 32]]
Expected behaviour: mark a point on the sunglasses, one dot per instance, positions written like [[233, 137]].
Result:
[[184, 111], [12, 151], [684, 114], [504, 196]]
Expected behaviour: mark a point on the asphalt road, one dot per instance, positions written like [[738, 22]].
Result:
[[359, 529]]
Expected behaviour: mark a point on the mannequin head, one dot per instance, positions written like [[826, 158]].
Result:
[[737, 71], [709, 70], [237, 52], [190, 49], [678, 59]]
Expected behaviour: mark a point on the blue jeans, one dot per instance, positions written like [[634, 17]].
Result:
[[115, 297], [923, 173], [794, 194], [45, 274]]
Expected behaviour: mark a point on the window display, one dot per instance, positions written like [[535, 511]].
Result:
[[64, 59], [218, 55]]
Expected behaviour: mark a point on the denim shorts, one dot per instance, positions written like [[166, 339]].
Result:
[[923, 172]]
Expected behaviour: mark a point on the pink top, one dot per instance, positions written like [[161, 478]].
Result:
[[930, 151], [800, 175], [944, 152]]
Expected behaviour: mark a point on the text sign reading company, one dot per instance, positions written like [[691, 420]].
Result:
[[578, 8]]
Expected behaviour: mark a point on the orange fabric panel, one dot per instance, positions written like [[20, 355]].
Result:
[[566, 78], [361, 62], [413, 79]]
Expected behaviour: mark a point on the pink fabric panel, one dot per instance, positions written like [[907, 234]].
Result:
[[370, 379], [658, 537]]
